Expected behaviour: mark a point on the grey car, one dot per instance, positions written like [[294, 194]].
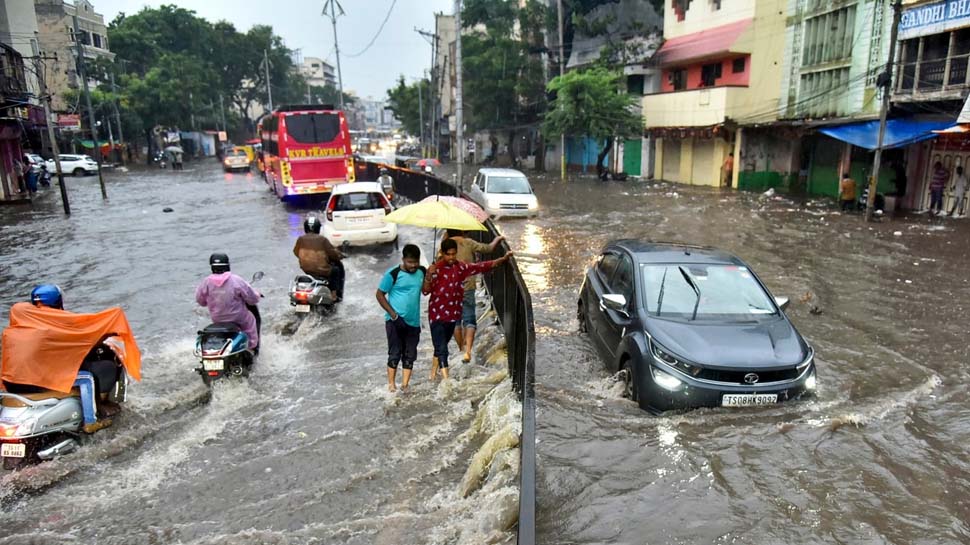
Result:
[[689, 326]]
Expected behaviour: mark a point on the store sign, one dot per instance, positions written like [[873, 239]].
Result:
[[69, 122], [934, 18]]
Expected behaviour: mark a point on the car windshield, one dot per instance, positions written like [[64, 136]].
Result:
[[237, 153], [508, 184], [727, 292]]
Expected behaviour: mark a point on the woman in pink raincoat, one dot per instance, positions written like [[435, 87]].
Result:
[[229, 298]]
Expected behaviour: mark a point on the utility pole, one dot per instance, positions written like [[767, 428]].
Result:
[[121, 133], [562, 70], [192, 110], [333, 5], [886, 81], [269, 87], [46, 101], [421, 117], [222, 110], [432, 111], [87, 99], [459, 121]]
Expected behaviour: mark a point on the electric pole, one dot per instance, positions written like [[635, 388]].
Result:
[[334, 5], [269, 87], [886, 81], [222, 111], [459, 121], [432, 111], [46, 101], [114, 103], [79, 43], [421, 117], [562, 70]]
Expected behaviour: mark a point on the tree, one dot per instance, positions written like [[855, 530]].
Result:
[[592, 103], [403, 101]]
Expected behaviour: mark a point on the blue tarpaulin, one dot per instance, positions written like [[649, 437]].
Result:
[[899, 132]]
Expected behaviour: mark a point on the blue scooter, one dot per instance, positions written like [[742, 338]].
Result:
[[223, 348]]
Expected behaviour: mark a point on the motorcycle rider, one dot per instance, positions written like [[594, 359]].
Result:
[[99, 362], [318, 258], [229, 298], [387, 183]]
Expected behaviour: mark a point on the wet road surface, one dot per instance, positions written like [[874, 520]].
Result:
[[879, 456], [311, 449]]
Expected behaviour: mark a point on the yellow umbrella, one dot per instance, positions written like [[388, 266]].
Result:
[[435, 214]]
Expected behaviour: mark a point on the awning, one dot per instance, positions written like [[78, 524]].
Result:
[[899, 132], [714, 42], [956, 129], [964, 116]]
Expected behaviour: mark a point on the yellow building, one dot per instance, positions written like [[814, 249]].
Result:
[[721, 62]]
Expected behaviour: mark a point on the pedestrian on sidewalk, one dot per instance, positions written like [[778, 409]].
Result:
[[399, 294], [467, 248], [727, 171], [445, 282], [959, 189], [847, 190], [937, 184]]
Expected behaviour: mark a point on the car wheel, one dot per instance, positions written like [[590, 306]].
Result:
[[582, 318], [79, 171], [629, 383]]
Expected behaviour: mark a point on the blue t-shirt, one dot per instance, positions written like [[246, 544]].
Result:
[[404, 295]]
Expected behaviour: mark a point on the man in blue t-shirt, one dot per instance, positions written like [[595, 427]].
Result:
[[399, 294]]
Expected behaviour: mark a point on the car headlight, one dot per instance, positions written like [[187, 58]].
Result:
[[668, 358], [491, 203], [664, 379], [811, 382], [534, 205]]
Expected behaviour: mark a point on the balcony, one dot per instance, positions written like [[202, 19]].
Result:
[[696, 107], [934, 67]]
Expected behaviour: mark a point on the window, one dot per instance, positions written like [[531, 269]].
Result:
[[622, 283], [678, 79], [710, 74], [715, 5], [97, 40], [634, 84], [607, 266], [727, 292], [680, 8], [313, 128], [737, 65]]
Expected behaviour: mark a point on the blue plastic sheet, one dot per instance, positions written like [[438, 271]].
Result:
[[899, 132]]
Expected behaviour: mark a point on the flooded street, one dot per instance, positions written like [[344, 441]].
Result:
[[310, 449], [879, 456]]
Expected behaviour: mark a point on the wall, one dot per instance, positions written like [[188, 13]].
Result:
[[728, 77], [701, 15]]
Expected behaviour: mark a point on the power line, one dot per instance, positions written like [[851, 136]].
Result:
[[379, 30]]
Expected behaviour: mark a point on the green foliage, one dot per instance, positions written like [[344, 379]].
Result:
[[591, 103], [403, 101]]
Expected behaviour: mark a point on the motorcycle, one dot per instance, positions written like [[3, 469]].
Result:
[[38, 424], [160, 158], [309, 294], [223, 348]]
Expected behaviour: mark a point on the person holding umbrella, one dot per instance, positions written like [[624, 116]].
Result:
[[467, 248], [444, 281]]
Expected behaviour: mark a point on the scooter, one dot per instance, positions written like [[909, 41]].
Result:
[[45, 424], [223, 348], [309, 294]]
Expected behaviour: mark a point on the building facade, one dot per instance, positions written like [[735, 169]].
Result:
[[721, 65], [55, 23], [13, 98], [318, 72]]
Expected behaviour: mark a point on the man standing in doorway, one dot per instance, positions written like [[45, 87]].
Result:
[[937, 184], [959, 189], [727, 171]]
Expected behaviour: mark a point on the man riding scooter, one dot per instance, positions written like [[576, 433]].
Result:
[[318, 258], [231, 299]]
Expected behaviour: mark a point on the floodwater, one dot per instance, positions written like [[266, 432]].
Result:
[[879, 456], [310, 449]]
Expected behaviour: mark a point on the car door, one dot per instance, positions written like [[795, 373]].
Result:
[[615, 322], [476, 192], [599, 284]]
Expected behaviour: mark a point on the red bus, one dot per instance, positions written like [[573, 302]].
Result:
[[306, 150]]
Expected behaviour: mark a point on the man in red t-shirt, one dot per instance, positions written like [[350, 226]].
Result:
[[445, 282]]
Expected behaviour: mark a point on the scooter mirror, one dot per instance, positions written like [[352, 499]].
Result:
[[258, 275]]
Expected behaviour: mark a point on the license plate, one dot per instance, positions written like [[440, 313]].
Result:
[[13, 450], [358, 220], [213, 365], [303, 308], [748, 400]]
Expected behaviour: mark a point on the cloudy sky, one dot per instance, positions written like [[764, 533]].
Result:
[[398, 49]]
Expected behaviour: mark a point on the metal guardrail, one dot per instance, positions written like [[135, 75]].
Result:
[[513, 306]]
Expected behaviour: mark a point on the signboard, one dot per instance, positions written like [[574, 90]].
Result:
[[222, 136], [934, 18], [69, 122]]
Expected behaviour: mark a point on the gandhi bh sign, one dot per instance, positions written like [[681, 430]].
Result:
[[934, 18]]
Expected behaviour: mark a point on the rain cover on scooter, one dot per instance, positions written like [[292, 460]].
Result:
[[45, 347]]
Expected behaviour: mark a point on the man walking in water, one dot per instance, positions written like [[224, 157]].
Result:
[[399, 294], [467, 248]]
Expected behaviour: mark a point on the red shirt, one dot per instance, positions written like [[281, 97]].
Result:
[[448, 290]]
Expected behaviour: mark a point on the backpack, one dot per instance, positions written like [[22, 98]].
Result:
[[397, 270]]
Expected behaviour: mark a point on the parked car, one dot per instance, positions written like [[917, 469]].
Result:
[[504, 192], [78, 165], [235, 159], [355, 215], [689, 326]]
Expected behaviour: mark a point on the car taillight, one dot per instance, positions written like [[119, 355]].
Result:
[[387, 204], [8, 430], [330, 207]]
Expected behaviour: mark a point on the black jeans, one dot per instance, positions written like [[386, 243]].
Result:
[[337, 275], [402, 343], [441, 334]]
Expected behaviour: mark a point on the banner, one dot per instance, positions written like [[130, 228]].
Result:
[[934, 18]]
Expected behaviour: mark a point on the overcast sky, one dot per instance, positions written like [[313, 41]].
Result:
[[398, 49]]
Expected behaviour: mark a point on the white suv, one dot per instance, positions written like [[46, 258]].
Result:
[[78, 165], [355, 215], [504, 192]]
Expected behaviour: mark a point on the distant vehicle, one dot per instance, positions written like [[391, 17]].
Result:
[[355, 215], [504, 192], [306, 150], [689, 326], [236, 159], [366, 146], [78, 165]]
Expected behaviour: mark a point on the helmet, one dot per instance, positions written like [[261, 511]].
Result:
[[312, 225], [383, 170], [219, 263], [49, 295]]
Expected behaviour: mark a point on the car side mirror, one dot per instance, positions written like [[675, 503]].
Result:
[[782, 302], [615, 301]]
